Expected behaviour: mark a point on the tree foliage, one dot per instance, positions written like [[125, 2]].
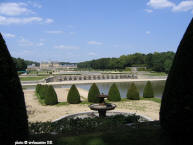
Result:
[[133, 92], [22, 64], [93, 93], [148, 90], [157, 61], [114, 94], [73, 95]]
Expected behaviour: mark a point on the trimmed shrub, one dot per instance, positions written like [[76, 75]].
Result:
[[46, 94], [93, 93], [133, 92], [13, 120], [50, 96], [43, 91], [38, 87], [114, 94], [73, 95], [148, 90]]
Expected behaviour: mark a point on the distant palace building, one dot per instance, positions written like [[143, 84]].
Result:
[[52, 66], [56, 65], [33, 67]]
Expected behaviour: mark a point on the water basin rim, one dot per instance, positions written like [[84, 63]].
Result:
[[111, 112]]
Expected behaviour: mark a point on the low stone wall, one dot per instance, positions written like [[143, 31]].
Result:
[[95, 114]]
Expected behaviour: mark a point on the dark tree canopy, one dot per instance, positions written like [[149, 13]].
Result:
[[22, 64], [158, 61], [13, 120], [176, 113]]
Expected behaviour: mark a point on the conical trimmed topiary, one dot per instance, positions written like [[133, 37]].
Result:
[[51, 96], [176, 112], [13, 120], [148, 90], [73, 95], [133, 92], [93, 93], [43, 91], [114, 94]]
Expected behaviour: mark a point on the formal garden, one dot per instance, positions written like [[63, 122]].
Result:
[[47, 95], [174, 126]]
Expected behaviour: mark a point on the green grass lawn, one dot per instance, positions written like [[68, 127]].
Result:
[[32, 78], [156, 74], [155, 99]]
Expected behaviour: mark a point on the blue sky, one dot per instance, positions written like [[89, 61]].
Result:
[[80, 30]]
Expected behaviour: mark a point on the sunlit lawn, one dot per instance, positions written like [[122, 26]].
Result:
[[32, 78]]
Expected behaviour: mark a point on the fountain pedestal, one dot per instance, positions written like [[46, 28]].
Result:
[[102, 113], [102, 107]]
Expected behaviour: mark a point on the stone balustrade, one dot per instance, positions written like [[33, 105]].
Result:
[[89, 77]]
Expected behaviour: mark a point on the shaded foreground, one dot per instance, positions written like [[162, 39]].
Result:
[[146, 133]]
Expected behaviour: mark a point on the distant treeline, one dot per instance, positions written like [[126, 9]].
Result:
[[22, 64], [157, 61]]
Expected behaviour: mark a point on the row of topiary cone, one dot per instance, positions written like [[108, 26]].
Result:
[[133, 92], [113, 94], [47, 94]]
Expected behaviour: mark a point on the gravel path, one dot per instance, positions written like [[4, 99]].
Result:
[[37, 112]]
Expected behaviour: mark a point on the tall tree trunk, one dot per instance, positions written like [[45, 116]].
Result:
[[176, 112], [13, 116]]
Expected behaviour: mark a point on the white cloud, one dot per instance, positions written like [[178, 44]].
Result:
[[48, 21], [25, 42], [34, 4], [70, 26], [10, 13], [94, 43], [14, 9], [64, 47], [40, 44], [17, 20], [28, 43], [147, 32], [148, 10], [158, 4], [92, 54], [54, 32], [184, 6], [8, 35], [72, 33]]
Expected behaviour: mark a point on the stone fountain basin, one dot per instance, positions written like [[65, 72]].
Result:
[[106, 106]]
